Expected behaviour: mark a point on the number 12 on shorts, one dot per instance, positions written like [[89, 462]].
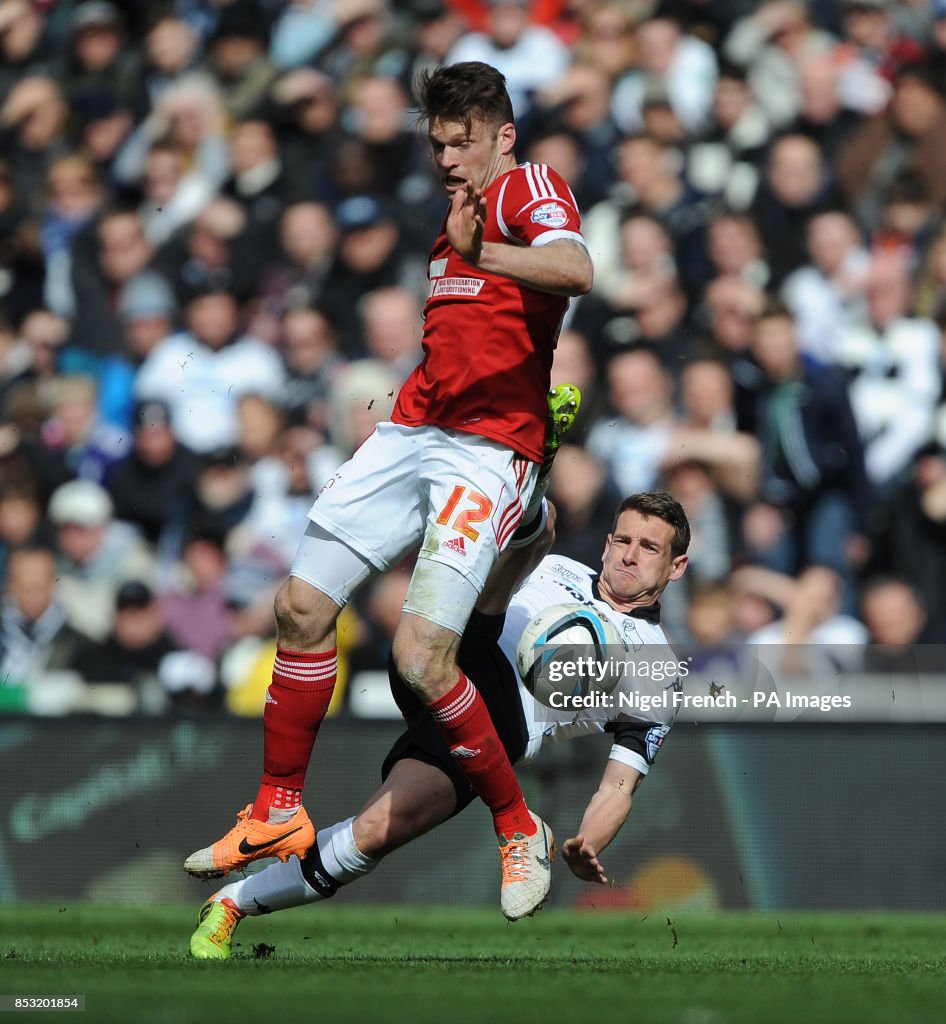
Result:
[[478, 513]]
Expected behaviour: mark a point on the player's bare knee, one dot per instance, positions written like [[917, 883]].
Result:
[[304, 615], [429, 671]]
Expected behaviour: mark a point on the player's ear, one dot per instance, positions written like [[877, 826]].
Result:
[[607, 544], [507, 138], [679, 564]]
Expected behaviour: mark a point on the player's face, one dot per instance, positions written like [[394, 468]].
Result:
[[474, 156], [638, 562]]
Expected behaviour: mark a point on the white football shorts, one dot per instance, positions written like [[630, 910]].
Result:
[[457, 497]]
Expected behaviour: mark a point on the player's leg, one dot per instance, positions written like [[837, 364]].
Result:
[[414, 798], [425, 654], [304, 675], [364, 520]]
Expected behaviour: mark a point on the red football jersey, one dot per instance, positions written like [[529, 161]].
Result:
[[488, 341]]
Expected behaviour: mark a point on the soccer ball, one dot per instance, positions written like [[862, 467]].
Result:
[[554, 651]]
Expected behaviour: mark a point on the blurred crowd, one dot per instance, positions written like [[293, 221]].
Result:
[[214, 224]]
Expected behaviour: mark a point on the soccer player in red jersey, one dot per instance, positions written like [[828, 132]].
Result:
[[451, 474]]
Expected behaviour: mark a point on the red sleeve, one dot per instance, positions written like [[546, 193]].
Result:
[[536, 206]]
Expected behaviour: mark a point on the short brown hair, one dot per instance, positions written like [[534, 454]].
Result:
[[460, 92], [663, 506]]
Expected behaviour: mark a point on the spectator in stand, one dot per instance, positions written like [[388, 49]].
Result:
[[909, 134], [362, 396], [151, 485], [33, 362], [35, 636], [105, 259], [369, 256], [21, 521], [202, 372], [910, 535], [96, 555], [909, 219], [194, 607], [189, 114], [378, 114], [585, 497], [640, 300], [813, 637], [306, 113], [894, 368], [237, 60], [259, 182], [728, 314], [285, 484], [822, 117], [222, 497], [825, 295], [74, 197], [878, 51], [608, 39], [772, 43], [312, 363], [901, 638], [261, 421], [365, 43], [23, 47], [172, 194], [734, 247], [578, 102], [634, 441], [170, 51], [296, 277], [33, 131], [707, 436], [437, 29], [530, 56], [392, 327], [88, 444], [814, 499], [99, 64], [213, 251], [725, 161], [797, 185], [647, 174], [684, 65], [133, 651]]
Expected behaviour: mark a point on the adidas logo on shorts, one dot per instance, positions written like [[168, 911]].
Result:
[[455, 544]]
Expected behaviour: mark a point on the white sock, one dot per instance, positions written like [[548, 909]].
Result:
[[281, 886], [340, 855]]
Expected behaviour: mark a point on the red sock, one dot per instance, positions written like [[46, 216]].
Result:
[[464, 721], [296, 702]]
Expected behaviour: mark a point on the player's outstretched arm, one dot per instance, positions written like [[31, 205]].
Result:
[[605, 814], [562, 267]]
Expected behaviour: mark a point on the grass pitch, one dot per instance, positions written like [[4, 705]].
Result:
[[330, 965]]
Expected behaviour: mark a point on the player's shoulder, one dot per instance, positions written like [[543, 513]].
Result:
[[528, 184]]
